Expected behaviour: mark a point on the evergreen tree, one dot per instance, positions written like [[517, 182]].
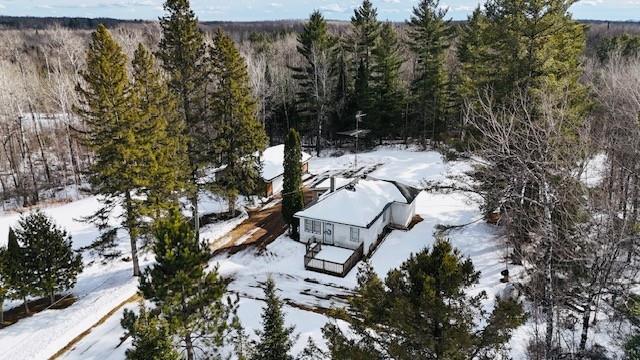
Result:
[[190, 298], [386, 84], [19, 275], [47, 249], [292, 193], [4, 283], [429, 36], [315, 77], [182, 51], [115, 133], [234, 108], [471, 80], [422, 311], [151, 339], [366, 31], [536, 47], [312, 352], [162, 134], [276, 339]]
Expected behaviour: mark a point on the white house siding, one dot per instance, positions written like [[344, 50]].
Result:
[[401, 214], [375, 230]]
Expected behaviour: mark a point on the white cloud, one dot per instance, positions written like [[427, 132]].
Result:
[[336, 8], [276, 4], [391, 1]]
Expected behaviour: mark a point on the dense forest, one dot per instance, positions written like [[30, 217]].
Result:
[[139, 112]]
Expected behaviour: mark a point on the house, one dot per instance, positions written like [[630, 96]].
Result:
[[272, 160], [354, 218]]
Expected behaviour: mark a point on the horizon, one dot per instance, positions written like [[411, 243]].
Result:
[[278, 10]]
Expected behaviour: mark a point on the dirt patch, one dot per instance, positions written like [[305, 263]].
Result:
[[14, 315], [261, 228]]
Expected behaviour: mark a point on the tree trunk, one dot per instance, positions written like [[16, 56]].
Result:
[[1, 312], [26, 305], [548, 271], [586, 316], [52, 298], [131, 225], [189, 346]]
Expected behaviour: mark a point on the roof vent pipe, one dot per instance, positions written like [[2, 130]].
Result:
[[332, 184]]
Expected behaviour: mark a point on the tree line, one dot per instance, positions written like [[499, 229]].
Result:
[[43, 156]]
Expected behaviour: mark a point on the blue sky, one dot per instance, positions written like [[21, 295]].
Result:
[[245, 10]]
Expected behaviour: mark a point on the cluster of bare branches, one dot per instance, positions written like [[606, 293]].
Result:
[[578, 247]]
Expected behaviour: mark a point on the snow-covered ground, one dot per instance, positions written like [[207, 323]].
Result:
[[43, 334]]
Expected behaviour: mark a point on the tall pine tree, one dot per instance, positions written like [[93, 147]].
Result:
[[188, 296], [48, 252], [162, 136], [316, 76], [182, 52], [114, 133], [429, 38], [234, 108], [386, 84], [292, 193], [536, 48], [365, 33], [276, 339]]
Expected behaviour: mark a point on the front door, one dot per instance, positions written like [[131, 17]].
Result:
[[328, 233]]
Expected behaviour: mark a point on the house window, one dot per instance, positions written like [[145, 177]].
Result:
[[312, 226], [355, 234]]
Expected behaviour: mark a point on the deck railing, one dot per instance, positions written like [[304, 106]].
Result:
[[329, 267]]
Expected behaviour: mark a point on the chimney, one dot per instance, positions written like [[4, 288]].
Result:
[[332, 182]]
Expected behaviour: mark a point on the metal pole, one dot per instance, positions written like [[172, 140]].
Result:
[[359, 115]]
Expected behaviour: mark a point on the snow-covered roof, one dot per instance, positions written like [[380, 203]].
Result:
[[358, 204], [273, 161]]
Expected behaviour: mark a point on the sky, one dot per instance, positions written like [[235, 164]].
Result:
[[250, 10]]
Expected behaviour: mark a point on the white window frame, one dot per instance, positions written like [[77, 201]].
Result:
[[357, 232], [319, 227], [312, 226]]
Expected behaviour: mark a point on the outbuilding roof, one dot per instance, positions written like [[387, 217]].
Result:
[[272, 160]]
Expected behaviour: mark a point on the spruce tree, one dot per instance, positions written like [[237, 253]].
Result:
[[150, 336], [276, 340], [115, 133], [241, 134], [316, 76], [422, 311], [386, 84], [20, 275], [429, 38], [48, 251], [292, 193], [182, 52], [4, 283], [162, 136], [190, 297]]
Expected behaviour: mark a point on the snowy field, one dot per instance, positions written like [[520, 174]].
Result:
[[103, 286]]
